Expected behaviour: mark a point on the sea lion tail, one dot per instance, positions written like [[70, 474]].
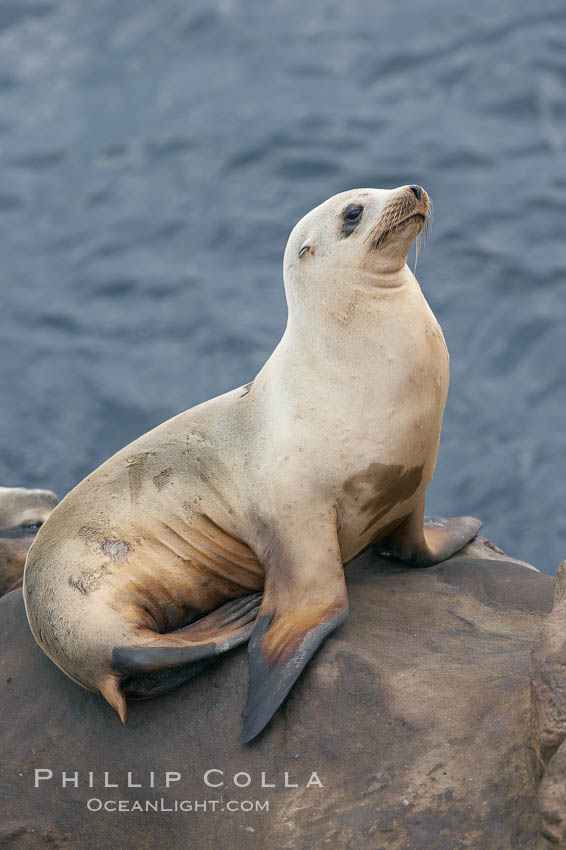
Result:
[[110, 690]]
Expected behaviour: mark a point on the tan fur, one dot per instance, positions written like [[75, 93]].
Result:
[[331, 447]]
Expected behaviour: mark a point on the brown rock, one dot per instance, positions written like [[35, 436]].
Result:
[[413, 715], [548, 715]]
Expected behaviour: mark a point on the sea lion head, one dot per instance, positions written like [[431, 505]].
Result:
[[359, 233], [22, 513]]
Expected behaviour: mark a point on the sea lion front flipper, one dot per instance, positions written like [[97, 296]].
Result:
[[425, 541], [444, 537], [304, 600]]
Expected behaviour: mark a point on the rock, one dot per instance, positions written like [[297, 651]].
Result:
[[548, 714], [413, 716]]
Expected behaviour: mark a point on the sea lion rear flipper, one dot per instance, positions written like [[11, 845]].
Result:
[[217, 632], [160, 662], [304, 600]]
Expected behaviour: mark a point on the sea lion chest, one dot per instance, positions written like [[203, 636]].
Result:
[[387, 444]]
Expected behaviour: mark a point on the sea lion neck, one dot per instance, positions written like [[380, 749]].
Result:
[[351, 318]]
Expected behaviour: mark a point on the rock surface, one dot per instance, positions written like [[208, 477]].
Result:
[[414, 716], [548, 714]]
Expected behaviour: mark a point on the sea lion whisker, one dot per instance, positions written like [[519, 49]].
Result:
[[422, 236]]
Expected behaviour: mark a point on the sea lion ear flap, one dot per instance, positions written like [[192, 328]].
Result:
[[304, 600]]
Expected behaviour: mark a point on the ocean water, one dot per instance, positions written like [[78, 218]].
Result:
[[155, 156]]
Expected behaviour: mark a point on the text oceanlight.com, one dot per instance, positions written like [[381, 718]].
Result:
[[97, 805]]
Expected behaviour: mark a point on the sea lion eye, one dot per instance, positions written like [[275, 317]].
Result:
[[353, 212], [352, 216], [26, 529], [31, 527]]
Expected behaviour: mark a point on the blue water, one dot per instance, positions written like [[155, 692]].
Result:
[[154, 157]]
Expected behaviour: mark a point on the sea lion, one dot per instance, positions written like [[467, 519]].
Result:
[[22, 513], [153, 565]]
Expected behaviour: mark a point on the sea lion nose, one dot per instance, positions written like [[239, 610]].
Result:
[[417, 191]]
